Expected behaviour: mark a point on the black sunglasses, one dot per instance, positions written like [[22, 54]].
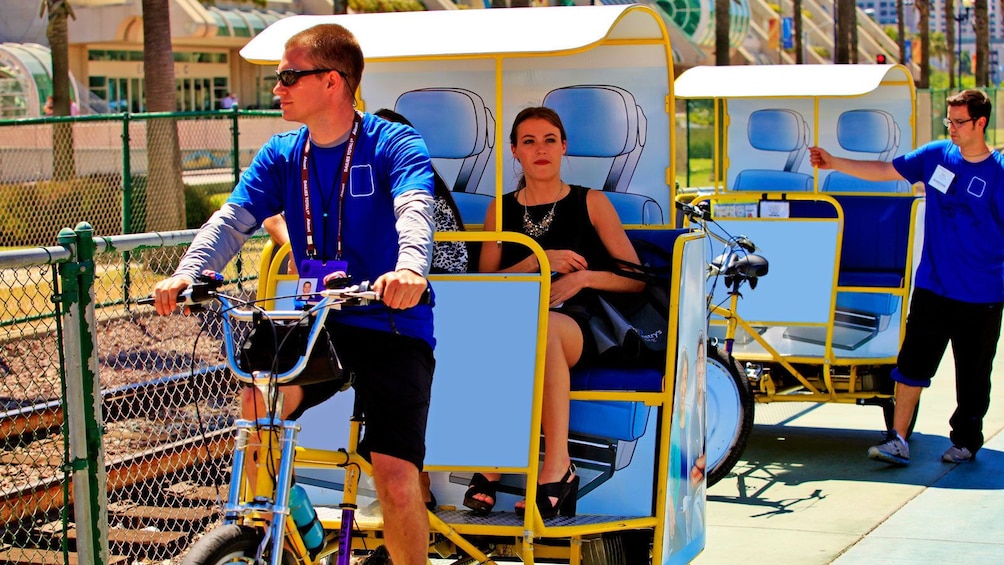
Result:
[[288, 77]]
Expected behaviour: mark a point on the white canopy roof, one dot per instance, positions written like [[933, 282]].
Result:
[[445, 33], [788, 81]]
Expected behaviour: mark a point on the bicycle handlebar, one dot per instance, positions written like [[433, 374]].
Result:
[[739, 262], [204, 290], [195, 296]]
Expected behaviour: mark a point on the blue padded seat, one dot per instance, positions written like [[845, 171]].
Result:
[[455, 124], [874, 250], [606, 122], [633, 379], [619, 420], [607, 378], [866, 131], [612, 420], [782, 131]]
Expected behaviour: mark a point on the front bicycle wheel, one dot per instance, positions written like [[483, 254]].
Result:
[[729, 413], [229, 545]]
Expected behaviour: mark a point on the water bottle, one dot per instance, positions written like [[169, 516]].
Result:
[[305, 518]]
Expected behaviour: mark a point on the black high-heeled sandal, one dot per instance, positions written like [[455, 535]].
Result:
[[565, 491], [481, 485]]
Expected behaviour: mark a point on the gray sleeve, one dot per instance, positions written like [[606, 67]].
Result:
[[413, 210], [217, 241]]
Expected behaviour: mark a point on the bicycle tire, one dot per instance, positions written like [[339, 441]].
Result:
[[226, 545], [729, 414]]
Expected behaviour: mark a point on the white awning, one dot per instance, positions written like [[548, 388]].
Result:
[[446, 33], [786, 81]]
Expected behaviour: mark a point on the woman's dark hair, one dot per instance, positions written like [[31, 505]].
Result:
[[441, 190], [541, 113]]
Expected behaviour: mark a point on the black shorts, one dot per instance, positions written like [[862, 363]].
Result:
[[393, 384]]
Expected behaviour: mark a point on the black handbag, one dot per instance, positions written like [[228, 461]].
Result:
[[630, 329], [277, 345]]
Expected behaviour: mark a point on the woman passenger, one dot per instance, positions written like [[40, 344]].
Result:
[[582, 235]]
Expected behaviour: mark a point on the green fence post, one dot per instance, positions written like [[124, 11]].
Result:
[[235, 157], [126, 206], [83, 395]]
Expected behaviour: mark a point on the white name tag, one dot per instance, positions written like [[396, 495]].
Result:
[[941, 179]]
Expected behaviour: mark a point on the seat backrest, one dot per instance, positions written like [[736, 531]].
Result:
[[455, 124], [602, 121], [779, 130], [866, 131]]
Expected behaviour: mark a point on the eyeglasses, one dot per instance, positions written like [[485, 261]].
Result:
[[288, 77], [949, 122]]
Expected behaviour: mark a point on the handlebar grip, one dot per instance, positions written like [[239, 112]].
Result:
[[202, 290]]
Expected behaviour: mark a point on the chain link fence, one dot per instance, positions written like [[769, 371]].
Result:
[[122, 173], [166, 400], [168, 405]]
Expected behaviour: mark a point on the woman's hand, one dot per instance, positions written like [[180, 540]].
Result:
[[566, 286], [565, 261]]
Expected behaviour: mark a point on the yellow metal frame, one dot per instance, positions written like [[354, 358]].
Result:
[[767, 391]]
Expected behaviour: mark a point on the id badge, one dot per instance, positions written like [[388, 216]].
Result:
[[312, 273]]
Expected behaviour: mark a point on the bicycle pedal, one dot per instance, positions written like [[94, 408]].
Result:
[[380, 556]]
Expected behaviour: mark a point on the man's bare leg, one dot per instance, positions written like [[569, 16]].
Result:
[[907, 398], [406, 523]]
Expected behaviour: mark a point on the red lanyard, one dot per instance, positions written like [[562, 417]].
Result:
[[343, 184]]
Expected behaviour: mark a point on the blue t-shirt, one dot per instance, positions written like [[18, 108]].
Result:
[[963, 253], [389, 160]]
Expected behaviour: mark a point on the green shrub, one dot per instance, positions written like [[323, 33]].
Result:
[[198, 206], [32, 213]]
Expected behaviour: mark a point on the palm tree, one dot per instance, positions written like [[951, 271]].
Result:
[[900, 32], [924, 25], [165, 192], [846, 25], [796, 8], [64, 164], [982, 26], [940, 48], [722, 33]]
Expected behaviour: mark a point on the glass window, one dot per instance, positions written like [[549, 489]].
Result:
[[222, 30]]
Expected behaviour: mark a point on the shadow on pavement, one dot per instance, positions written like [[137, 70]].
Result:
[[785, 456]]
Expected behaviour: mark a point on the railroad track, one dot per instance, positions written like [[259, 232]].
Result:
[[160, 497]]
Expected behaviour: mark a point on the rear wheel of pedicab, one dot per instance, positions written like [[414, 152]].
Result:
[[230, 544], [729, 413]]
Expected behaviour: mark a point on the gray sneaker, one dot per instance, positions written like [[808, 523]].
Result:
[[956, 454], [893, 450]]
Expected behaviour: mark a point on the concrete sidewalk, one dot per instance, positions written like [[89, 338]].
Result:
[[806, 493]]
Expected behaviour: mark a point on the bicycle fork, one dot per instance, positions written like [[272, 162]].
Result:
[[270, 494]]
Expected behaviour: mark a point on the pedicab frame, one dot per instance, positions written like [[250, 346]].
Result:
[[635, 443], [826, 323]]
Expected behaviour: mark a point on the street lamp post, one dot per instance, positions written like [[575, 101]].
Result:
[[962, 16]]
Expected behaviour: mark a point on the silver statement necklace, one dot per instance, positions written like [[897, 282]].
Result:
[[537, 229]]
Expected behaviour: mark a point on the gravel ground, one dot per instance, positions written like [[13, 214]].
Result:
[[130, 351]]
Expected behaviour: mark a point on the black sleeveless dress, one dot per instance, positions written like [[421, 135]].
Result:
[[570, 229]]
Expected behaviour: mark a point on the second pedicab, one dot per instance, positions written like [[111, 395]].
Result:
[[825, 321]]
